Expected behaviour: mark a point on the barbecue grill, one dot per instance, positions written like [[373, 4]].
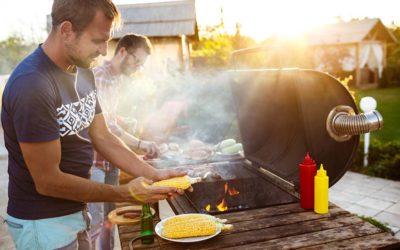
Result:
[[282, 114]]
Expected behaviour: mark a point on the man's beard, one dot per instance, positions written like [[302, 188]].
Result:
[[125, 70], [84, 63], [80, 62]]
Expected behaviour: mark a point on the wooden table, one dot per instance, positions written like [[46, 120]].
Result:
[[283, 226]]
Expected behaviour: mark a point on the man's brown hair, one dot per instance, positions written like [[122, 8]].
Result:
[[132, 42], [81, 12]]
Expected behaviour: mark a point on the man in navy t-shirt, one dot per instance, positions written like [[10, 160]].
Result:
[[52, 120]]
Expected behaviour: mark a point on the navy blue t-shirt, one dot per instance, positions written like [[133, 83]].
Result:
[[43, 103]]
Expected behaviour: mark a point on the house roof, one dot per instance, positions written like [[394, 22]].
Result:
[[161, 19], [350, 32]]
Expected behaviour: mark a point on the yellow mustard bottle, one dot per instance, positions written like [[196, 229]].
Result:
[[321, 185]]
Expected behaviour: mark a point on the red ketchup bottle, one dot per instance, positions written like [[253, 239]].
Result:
[[307, 170]]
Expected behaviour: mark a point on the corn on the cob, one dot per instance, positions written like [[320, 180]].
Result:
[[186, 218], [192, 225], [182, 182], [183, 227]]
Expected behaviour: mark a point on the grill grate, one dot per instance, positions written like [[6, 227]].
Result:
[[240, 189]]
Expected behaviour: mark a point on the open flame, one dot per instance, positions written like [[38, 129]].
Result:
[[232, 191], [222, 206]]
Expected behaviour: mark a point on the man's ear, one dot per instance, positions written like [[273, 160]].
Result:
[[66, 29], [122, 51]]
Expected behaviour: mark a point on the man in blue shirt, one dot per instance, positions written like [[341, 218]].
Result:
[[52, 120]]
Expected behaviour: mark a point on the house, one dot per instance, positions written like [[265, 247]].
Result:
[[358, 47], [171, 27]]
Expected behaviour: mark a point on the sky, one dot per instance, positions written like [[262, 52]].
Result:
[[258, 18]]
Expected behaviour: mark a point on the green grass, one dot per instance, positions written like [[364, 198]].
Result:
[[376, 223], [389, 106]]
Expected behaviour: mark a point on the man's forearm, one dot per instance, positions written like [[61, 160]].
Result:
[[71, 187], [121, 132], [129, 140], [116, 151]]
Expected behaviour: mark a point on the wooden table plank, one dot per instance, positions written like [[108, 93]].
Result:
[[279, 227], [258, 213], [375, 241], [281, 219], [234, 240], [244, 221], [238, 216], [133, 227], [315, 238]]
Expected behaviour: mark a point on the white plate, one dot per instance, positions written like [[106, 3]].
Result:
[[159, 227]]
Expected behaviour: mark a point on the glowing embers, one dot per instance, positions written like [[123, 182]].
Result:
[[231, 190], [223, 206]]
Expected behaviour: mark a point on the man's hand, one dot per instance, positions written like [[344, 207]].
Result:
[[150, 147], [140, 190], [163, 174]]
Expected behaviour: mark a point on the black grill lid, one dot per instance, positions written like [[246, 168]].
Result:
[[282, 115]]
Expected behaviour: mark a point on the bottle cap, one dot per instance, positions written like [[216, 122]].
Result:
[[321, 171], [308, 160]]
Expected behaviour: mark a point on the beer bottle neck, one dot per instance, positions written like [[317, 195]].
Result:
[[146, 208]]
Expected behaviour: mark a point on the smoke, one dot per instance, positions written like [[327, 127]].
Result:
[[180, 107]]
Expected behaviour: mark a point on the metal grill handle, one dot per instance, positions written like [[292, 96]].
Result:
[[342, 123]]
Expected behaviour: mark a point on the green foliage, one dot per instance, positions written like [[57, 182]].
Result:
[[346, 83], [376, 223], [388, 105], [391, 72], [384, 149], [393, 49], [12, 51], [215, 47], [390, 76], [383, 160], [215, 50]]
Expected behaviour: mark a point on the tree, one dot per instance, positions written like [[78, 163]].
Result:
[[216, 45], [12, 51], [240, 41], [394, 48], [391, 72]]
